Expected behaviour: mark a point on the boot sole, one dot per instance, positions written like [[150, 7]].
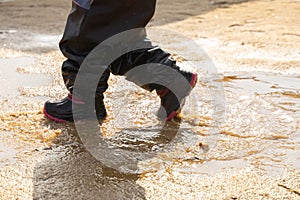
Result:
[[53, 118]]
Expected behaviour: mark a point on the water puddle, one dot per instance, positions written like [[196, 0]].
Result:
[[262, 115], [260, 129], [45, 41], [11, 80], [263, 83], [7, 152], [256, 123], [3, 1], [213, 167], [29, 41]]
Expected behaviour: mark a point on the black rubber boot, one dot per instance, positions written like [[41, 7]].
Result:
[[61, 111], [170, 104]]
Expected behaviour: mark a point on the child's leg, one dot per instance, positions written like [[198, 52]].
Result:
[[166, 72], [87, 26]]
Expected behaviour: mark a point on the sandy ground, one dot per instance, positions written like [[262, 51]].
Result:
[[254, 46]]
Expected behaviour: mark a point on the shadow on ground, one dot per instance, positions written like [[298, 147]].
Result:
[[68, 171]]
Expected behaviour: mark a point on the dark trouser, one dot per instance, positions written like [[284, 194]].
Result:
[[89, 24]]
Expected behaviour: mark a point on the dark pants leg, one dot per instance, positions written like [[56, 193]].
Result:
[[151, 57], [90, 24]]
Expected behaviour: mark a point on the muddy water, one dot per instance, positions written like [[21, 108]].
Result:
[[263, 111], [261, 116], [245, 146], [6, 153], [260, 132], [11, 80]]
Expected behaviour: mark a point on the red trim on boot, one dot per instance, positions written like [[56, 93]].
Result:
[[162, 93], [74, 99], [194, 80], [171, 116], [53, 118]]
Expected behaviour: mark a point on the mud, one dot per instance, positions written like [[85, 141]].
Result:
[[245, 146]]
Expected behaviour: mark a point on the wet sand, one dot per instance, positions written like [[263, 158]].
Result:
[[252, 134]]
